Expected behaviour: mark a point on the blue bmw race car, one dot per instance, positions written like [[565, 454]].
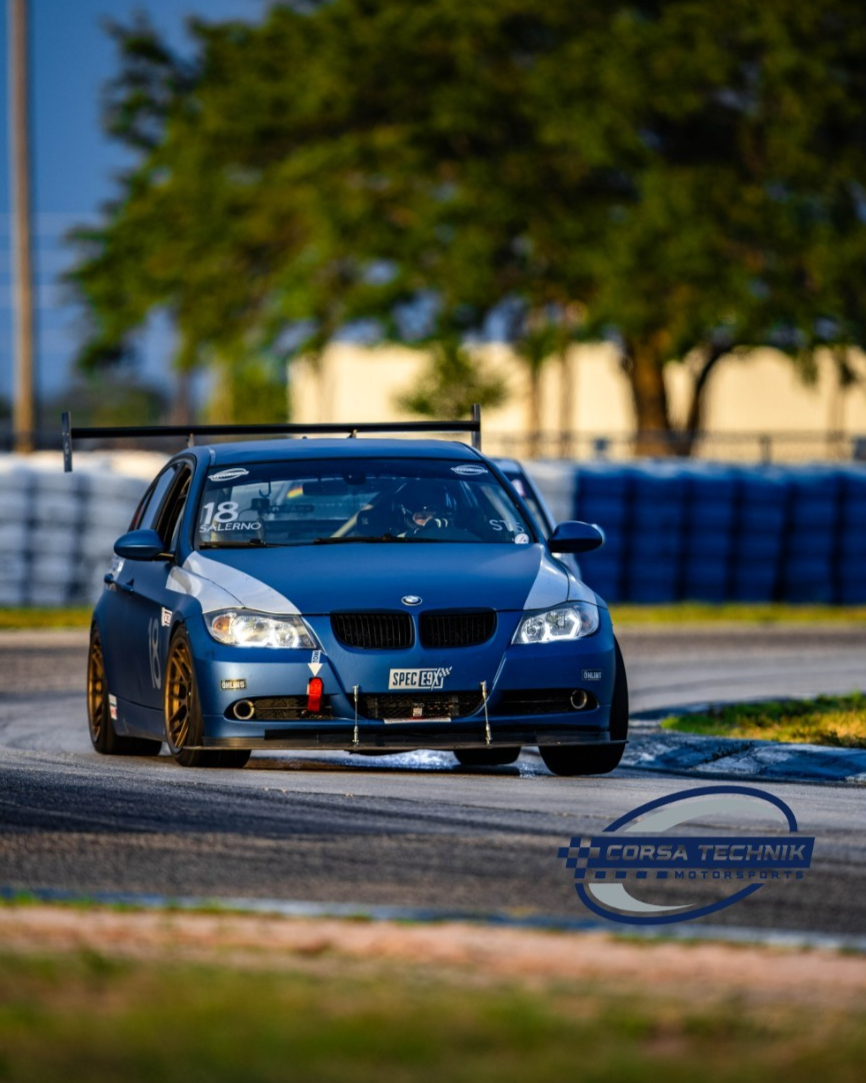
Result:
[[373, 595]]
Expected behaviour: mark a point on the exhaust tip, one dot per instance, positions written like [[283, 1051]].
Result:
[[579, 699], [244, 710]]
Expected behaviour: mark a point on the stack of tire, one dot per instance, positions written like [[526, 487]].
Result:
[[811, 532], [57, 530], [762, 509], [641, 510], [710, 532], [602, 495], [654, 540], [59, 511], [16, 502], [113, 500], [850, 557]]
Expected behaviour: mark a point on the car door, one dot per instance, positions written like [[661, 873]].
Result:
[[148, 603], [118, 607]]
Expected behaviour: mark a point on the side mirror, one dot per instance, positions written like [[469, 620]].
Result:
[[575, 537], [140, 545]]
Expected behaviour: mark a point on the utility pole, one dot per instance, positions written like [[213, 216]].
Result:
[[24, 415]]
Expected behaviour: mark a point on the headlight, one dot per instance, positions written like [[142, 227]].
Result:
[[242, 628], [558, 625]]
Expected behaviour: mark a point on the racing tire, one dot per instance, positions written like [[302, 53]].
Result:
[[103, 735], [598, 759], [486, 757], [182, 712]]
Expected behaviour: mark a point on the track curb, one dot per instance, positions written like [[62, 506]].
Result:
[[652, 749]]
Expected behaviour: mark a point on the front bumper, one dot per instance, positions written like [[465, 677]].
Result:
[[496, 670]]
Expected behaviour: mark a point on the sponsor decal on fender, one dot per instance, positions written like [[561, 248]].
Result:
[[153, 653]]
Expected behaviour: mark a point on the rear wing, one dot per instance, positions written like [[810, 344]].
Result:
[[350, 429]]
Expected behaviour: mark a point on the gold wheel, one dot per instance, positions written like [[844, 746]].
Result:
[[105, 738], [97, 695], [184, 728], [180, 695]]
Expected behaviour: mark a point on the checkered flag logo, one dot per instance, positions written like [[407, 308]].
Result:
[[576, 855]]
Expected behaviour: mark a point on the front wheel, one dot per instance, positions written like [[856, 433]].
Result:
[[184, 728], [599, 759], [103, 736]]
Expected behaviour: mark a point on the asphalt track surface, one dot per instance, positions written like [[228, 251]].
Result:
[[413, 830]]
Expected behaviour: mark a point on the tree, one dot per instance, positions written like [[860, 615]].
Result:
[[748, 202], [688, 178], [119, 397], [453, 382]]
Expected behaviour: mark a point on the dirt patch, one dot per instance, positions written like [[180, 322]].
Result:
[[693, 970]]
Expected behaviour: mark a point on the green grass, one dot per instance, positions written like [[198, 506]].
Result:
[[839, 721], [89, 1018], [38, 617], [749, 613]]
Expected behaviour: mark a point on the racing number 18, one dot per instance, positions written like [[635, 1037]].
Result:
[[226, 512]]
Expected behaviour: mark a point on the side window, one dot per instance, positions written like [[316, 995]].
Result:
[[172, 510], [148, 514], [139, 511], [142, 506]]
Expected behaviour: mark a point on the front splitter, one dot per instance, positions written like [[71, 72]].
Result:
[[408, 738]]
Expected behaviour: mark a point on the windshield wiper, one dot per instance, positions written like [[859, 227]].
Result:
[[367, 539]]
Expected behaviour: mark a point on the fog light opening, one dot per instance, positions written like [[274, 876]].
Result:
[[579, 699], [244, 710]]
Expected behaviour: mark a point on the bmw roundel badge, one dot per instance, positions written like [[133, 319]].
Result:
[[410, 599]]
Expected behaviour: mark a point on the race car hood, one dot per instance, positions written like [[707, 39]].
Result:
[[369, 576]]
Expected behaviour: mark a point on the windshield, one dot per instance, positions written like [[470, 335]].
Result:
[[331, 501]]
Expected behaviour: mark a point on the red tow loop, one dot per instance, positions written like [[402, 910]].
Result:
[[315, 688]]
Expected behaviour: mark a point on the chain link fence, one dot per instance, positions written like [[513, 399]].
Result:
[[733, 447]]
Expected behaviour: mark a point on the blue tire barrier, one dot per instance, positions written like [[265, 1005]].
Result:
[[725, 533]]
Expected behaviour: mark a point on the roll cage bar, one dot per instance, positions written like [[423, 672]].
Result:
[[351, 429]]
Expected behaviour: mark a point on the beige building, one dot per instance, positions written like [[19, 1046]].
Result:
[[756, 407]]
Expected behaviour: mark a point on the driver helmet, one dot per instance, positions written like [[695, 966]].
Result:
[[423, 504]]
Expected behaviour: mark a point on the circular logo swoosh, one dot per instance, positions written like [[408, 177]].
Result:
[[639, 850]]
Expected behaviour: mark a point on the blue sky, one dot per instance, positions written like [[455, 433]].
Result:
[[73, 161]]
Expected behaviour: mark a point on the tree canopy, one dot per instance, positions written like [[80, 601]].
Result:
[[682, 178]]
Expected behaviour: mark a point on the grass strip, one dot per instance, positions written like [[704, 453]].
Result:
[[323, 1021], [746, 613], [34, 618], [838, 721]]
